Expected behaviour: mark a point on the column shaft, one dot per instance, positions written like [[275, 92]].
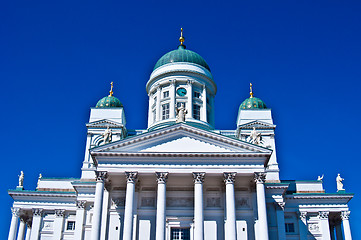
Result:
[[14, 223], [28, 232], [98, 204], [190, 99], [302, 223], [21, 232], [325, 228], [231, 230], [172, 99], [59, 223], [79, 223], [280, 221], [198, 206], [161, 206], [204, 107], [129, 203], [157, 106], [346, 225], [261, 206], [36, 223]]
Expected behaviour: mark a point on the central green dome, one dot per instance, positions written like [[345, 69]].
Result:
[[181, 55]]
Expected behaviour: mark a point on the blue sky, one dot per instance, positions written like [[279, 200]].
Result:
[[58, 58]]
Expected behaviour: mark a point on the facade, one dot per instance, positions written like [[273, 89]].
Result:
[[180, 178]]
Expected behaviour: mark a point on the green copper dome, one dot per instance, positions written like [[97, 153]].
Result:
[[181, 55], [109, 102], [252, 103]]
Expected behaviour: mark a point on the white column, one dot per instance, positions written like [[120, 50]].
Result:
[[346, 225], [79, 220], [150, 110], [21, 232], [302, 224], [28, 229], [325, 228], [58, 224], [204, 107], [98, 204], [231, 229], [161, 205], [280, 207], [106, 198], [338, 227], [198, 178], [172, 99], [157, 106], [262, 232], [14, 223], [190, 98], [36, 223], [129, 203]]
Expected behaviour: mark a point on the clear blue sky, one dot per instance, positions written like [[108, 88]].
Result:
[[58, 57]]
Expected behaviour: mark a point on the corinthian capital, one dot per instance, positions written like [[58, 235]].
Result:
[[37, 212], [259, 177], [15, 211], [229, 177], [131, 176], [161, 177], [198, 177], [59, 212], [345, 215], [80, 204], [101, 176], [302, 215], [323, 214]]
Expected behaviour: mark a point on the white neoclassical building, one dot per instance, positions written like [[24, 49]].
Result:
[[180, 178]]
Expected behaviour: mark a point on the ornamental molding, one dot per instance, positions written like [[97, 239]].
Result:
[[319, 196], [80, 204], [323, 215], [345, 215], [229, 177], [281, 205], [198, 177], [42, 194], [37, 212], [259, 177], [179, 154], [104, 124], [302, 215], [131, 177], [258, 150], [257, 124], [161, 177], [59, 212]]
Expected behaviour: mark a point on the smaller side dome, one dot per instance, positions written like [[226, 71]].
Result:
[[109, 101], [252, 102]]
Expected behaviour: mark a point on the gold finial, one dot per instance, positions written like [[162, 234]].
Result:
[[111, 89], [181, 39], [250, 88]]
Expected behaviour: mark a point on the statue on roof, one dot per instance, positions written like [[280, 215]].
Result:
[[39, 179], [21, 179], [339, 180], [255, 137], [319, 178], [107, 135], [181, 113]]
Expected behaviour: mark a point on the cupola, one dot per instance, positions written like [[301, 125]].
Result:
[[181, 78], [109, 101]]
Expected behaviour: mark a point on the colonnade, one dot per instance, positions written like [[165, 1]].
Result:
[[198, 179]]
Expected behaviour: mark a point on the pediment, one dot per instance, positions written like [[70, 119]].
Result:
[[104, 124], [258, 125], [180, 138]]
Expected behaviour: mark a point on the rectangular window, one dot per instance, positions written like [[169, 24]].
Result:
[[165, 94], [197, 94], [179, 104], [70, 226], [180, 234], [196, 111], [290, 228], [165, 111]]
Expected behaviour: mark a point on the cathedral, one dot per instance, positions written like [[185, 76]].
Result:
[[179, 179]]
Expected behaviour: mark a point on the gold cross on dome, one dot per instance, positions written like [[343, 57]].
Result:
[[111, 89]]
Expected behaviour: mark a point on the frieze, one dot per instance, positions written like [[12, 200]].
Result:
[[213, 202], [242, 202], [148, 202], [180, 202]]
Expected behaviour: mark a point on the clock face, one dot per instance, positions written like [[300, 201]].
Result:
[[181, 92]]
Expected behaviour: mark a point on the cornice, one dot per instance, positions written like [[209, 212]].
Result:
[[42, 193]]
